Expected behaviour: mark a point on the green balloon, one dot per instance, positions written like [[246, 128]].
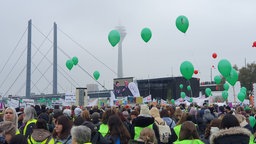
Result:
[[146, 34], [172, 101], [241, 96], [189, 88], [191, 99], [252, 121], [233, 77], [181, 86], [182, 23], [69, 64], [243, 89], [96, 75], [224, 67], [182, 95], [114, 37], [217, 79], [226, 86], [208, 92], [75, 60], [225, 95], [187, 70]]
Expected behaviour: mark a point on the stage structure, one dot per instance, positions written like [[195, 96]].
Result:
[[168, 88]]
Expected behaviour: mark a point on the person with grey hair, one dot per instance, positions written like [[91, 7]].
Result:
[[10, 114], [81, 134], [29, 121]]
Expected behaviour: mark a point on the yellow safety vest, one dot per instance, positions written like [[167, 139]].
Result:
[[137, 130], [194, 141], [177, 131], [17, 132], [31, 140], [252, 140], [26, 126], [103, 129]]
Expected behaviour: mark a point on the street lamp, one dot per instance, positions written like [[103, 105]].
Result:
[[213, 67]]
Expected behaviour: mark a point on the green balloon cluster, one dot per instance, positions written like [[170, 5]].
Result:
[[226, 86], [208, 92], [96, 74], [191, 100], [189, 88], [173, 101], [181, 86], [182, 23], [252, 121], [241, 96], [70, 63], [182, 95], [114, 37], [146, 34], [217, 79], [187, 69], [225, 95], [224, 67], [243, 89], [75, 60], [233, 77]]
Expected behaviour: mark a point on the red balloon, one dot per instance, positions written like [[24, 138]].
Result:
[[195, 71], [254, 44], [214, 55]]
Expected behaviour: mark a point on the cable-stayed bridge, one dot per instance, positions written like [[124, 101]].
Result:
[[32, 68]]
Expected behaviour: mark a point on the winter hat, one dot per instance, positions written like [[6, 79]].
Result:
[[144, 111], [193, 111], [207, 111], [44, 116], [7, 127], [154, 112], [125, 114], [214, 130], [95, 116], [77, 111], [67, 112], [57, 113]]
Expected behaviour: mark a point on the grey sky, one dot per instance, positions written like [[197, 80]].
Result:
[[225, 27]]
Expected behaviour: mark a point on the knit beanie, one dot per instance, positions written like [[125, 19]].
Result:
[[144, 111]]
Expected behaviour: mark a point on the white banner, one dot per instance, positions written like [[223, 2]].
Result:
[[28, 101], [13, 103], [147, 99], [70, 98], [134, 89], [93, 102], [163, 101]]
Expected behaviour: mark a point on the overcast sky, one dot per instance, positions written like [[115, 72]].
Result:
[[226, 27]]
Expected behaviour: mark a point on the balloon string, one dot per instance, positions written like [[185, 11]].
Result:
[[191, 93]]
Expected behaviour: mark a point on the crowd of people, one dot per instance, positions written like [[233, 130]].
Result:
[[138, 124]]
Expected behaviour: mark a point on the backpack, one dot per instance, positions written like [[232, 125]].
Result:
[[99, 139], [164, 132]]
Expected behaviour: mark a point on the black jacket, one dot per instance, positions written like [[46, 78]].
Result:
[[142, 121], [234, 135]]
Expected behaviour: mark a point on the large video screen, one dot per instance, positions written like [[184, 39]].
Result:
[[124, 87]]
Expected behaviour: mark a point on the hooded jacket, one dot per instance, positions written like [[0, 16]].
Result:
[[143, 121], [40, 136], [230, 136]]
